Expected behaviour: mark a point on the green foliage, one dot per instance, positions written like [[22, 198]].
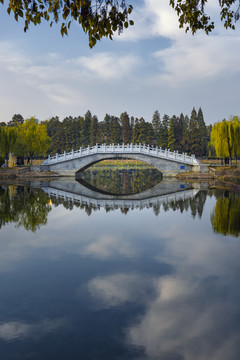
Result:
[[122, 181], [115, 130], [1, 161], [32, 138], [8, 138], [126, 128], [93, 130], [156, 124], [202, 132], [175, 133], [211, 150], [26, 207], [163, 133], [16, 119], [99, 18], [192, 15], [171, 134], [225, 137], [226, 215]]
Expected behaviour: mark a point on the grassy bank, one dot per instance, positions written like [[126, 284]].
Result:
[[227, 177], [224, 177], [122, 163]]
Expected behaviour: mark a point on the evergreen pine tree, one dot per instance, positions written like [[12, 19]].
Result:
[[156, 123], [194, 139], [115, 130], [87, 124], [93, 130], [101, 133], [163, 136], [126, 128], [202, 133], [142, 131], [179, 132], [107, 120], [132, 121], [171, 133], [149, 134], [136, 131], [185, 135]]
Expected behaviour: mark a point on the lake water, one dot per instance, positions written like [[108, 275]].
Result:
[[113, 270]]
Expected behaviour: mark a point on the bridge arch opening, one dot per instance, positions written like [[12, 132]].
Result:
[[124, 179], [108, 162]]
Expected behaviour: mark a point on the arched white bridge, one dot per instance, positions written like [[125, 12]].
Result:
[[168, 162]]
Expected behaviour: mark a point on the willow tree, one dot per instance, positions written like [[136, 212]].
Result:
[[225, 217], [8, 138], [33, 138], [225, 138]]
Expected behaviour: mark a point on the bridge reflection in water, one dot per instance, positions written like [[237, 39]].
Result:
[[76, 192]]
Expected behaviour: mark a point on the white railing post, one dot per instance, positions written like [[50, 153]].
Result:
[[165, 153], [113, 147], [56, 157], [104, 148], [131, 147], [157, 151], [72, 153], [140, 147], [88, 149], [96, 148], [148, 149], [64, 155], [123, 147], [175, 154], [184, 157]]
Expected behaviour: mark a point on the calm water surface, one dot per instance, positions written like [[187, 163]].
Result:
[[86, 275]]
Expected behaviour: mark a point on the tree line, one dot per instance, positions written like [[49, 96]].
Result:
[[183, 133], [179, 133]]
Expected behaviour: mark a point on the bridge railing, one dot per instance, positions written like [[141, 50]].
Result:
[[118, 203], [121, 149]]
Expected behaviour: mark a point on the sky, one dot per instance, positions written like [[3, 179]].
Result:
[[152, 65]]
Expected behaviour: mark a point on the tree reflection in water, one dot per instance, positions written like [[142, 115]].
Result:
[[24, 206], [29, 207], [225, 218], [122, 181]]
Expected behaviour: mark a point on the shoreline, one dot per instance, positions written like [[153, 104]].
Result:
[[217, 177]]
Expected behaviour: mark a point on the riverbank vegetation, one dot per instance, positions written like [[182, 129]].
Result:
[[24, 139], [189, 134], [177, 133]]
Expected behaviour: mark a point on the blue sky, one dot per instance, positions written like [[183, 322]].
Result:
[[153, 65]]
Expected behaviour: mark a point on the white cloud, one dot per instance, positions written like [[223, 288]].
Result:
[[117, 289], [199, 59], [19, 330], [182, 318], [107, 65], [108, 245]]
